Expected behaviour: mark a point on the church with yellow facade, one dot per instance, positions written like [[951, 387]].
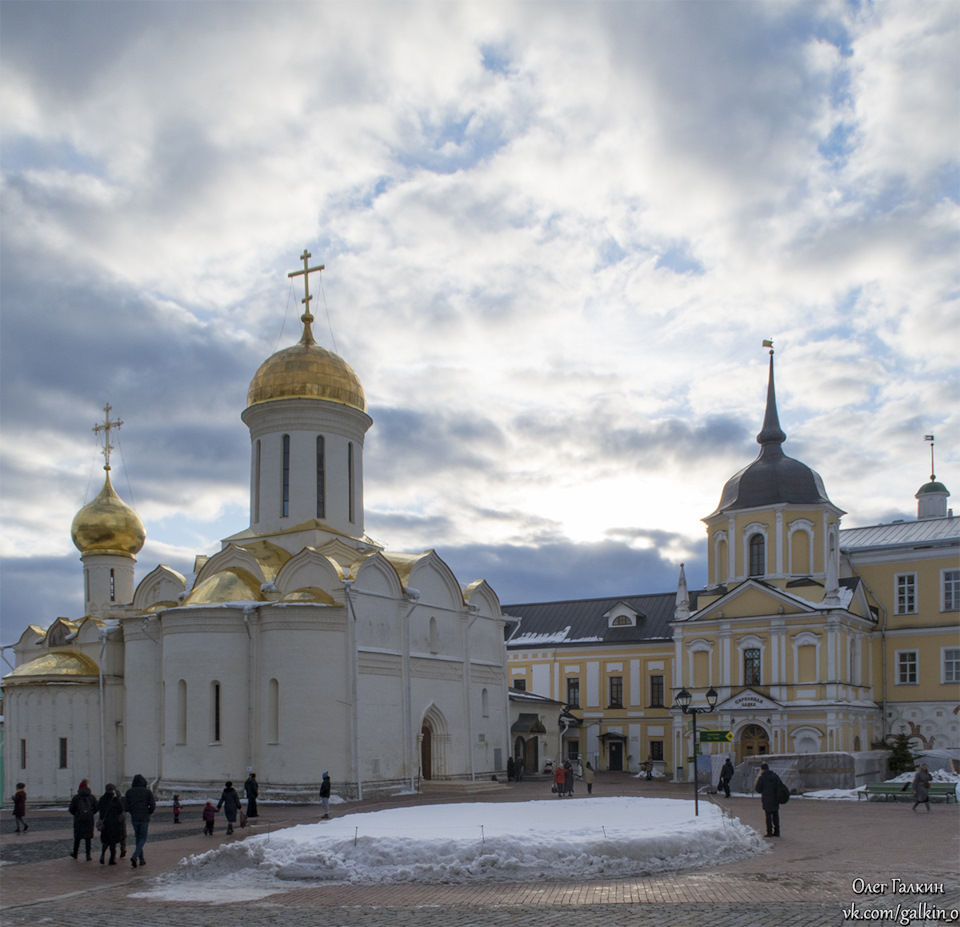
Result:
[[808, 638]]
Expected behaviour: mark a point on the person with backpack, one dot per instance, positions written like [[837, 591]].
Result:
[[83, 807], [773, 794]]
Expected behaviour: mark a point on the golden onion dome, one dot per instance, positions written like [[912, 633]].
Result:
[[108, 524], [306, 371]]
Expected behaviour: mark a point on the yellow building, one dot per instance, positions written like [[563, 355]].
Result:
[[812, 638]]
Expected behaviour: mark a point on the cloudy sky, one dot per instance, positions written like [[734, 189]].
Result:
[[555, 236]]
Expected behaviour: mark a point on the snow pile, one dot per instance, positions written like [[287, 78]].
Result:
[[939, 775], [476, 842]]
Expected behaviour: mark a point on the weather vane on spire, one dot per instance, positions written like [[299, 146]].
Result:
[[105, 428], [933, 474], [307, 316]]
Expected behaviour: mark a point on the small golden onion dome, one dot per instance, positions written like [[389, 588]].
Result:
[[108, 524], [306, 371]]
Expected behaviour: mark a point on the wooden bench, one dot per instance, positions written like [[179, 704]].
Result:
[[894, 790]]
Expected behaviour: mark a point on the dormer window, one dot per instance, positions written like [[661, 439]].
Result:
[[622, 616]]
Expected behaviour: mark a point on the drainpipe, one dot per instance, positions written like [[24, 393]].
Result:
[[883, 652], [354, 685], [103, 748], [472, 610], [413, 597], [248, 612]]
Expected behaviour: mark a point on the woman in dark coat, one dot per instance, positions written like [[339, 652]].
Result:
[[921, 787], [568, 778], [83, 807], [112, 822], [252, 790], [768, 783], [230, 802]]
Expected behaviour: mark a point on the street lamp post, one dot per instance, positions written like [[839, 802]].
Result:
[[683, 700]]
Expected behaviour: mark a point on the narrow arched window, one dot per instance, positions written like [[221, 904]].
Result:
[[256, 484], [182, 711], [285, 506], [350, 481], [215, 713], [321, 478], [485, 703], [273, 712], [757, 555], [113, 586]]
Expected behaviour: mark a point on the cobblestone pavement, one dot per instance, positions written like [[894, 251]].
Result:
[[837, 865]]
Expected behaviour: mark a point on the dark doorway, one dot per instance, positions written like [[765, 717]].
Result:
[[615, 754], [426, 757]]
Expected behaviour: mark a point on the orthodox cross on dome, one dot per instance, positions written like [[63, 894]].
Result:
[[307, 316], [105, 428]]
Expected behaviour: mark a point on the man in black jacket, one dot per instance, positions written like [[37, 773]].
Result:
[[768, 785], [140, 804]]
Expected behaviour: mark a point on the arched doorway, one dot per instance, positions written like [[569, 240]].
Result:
[[426, 752], [753, 742]]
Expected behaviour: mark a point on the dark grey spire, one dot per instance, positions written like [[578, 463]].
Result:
[[771, 433]]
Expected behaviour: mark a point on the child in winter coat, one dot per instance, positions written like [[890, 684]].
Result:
[[209, 813]]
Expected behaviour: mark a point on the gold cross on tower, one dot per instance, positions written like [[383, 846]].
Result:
[[307, 317], [105, 428]]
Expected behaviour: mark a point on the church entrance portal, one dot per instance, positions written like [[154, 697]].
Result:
[[426, 758], [528, 751], [753, 742]]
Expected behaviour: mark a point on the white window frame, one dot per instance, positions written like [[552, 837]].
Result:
[[954, 606], [898, 608], [944, 676], [898, 663]]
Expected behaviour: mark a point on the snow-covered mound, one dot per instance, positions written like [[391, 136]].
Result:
[[477, 842]]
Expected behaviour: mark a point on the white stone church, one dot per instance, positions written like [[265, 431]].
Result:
[[302, 646]]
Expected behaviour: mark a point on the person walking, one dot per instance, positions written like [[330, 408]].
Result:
[[726, 774], [252, 790], [588, 778], [768, 785], [140, 804], [83, 807], [559, 781], [230, 802], [176, 809], [111, 811], [209, 816], [325, 796], [568, 778], [20, 806], [921, 787]]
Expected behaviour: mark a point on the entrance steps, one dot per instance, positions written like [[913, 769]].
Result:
[[459, 786]]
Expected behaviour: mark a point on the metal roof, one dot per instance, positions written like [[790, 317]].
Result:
[[920, 533], [577, 622]]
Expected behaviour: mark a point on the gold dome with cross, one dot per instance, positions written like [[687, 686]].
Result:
[[306, 370], [108, 523]]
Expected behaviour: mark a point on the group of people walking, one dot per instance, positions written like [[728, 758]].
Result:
[[108, 815]]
